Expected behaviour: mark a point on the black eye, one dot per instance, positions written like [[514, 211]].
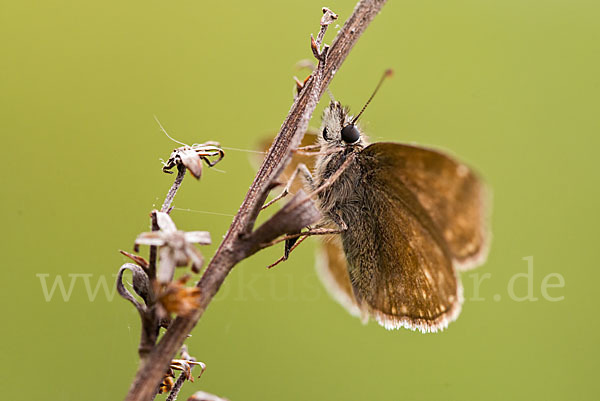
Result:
[[325, 134], [350, 133]]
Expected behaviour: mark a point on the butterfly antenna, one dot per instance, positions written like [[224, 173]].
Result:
[[165, 132], [330, 94], [386, 74]]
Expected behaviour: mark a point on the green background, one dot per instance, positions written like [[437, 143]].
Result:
[[512, 87]]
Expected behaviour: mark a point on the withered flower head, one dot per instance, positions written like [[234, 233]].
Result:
[[176, 298], [167, 384], [176, 247], [186, 365], [192, 156]]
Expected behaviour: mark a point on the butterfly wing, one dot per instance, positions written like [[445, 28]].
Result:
[[399, 264], [451, 193]]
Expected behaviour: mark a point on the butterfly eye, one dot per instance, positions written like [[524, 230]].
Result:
[[325, 134], [350, 133]]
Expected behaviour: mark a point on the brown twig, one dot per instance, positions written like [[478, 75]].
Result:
[[240, 241]]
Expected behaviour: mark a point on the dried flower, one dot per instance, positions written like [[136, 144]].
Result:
[[141, 286], [176, 247], [202, 396], [191, 157], [186, 365], [167, 383], [137, 259], [176, 298]]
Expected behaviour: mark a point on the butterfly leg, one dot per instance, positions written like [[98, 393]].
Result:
[[292, 241], [307, 149], [331, 180], [300, 169], [290, 245]]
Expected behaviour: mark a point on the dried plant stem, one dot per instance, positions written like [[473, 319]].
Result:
[[153, 250], [174, 188], [181, 170], [240, 241], [150, 320], [177, 387]]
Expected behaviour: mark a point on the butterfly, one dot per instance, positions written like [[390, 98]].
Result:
[[405, 220]]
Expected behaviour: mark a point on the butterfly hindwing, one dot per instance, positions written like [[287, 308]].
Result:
[[332, 269]]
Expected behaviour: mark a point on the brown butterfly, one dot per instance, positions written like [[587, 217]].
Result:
[[406, 220]]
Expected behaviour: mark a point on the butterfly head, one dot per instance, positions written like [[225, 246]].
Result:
[[338, 128]]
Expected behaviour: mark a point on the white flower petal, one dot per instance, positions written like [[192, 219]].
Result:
[[154, 238], [181, 258], [198, 237], [192, 161], [165, 223], [166, 266], [196, 257]]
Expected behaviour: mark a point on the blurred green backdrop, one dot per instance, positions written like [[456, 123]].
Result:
[[512, 87]]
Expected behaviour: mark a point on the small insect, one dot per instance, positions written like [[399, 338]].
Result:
[[403, 221]]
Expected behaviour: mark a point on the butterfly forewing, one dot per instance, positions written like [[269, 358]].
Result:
[[399, 266], [450, 192]]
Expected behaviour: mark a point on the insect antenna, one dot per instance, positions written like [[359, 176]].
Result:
[[386, 74], [330, 94]]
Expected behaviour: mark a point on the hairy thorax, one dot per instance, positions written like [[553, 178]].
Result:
[[340, 202]]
